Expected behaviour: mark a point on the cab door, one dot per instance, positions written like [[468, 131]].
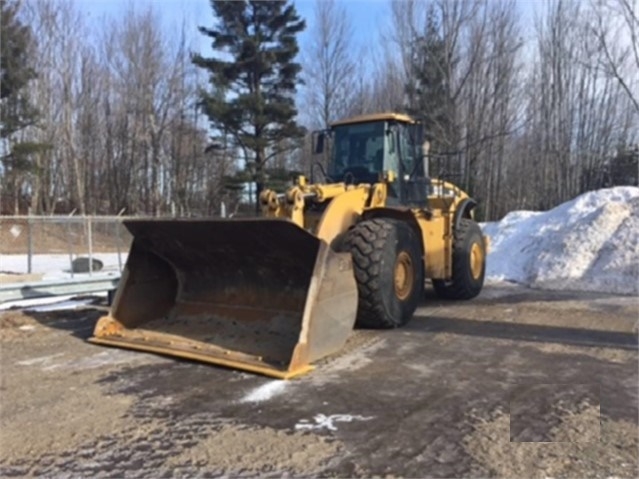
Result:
[[414, 185]]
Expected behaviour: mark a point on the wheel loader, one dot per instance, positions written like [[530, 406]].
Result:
[[275, 293]]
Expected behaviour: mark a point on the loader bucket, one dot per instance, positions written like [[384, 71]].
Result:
[[262, 295]]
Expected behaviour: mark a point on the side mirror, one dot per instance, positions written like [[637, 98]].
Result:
[[319, 143]]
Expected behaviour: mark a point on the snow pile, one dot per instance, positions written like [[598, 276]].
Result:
[[589, 244]]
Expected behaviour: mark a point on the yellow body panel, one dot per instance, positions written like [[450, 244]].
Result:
[[437, 246], [435, 224], [342, 212]]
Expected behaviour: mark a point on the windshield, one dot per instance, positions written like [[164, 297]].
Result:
[[359, 146]]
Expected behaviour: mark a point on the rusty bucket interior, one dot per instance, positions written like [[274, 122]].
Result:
[[261, 295]]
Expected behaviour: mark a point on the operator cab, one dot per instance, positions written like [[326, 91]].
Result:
[[365, 149]]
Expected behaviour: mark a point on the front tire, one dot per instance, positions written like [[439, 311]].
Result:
[[387, 262], [469, 264]]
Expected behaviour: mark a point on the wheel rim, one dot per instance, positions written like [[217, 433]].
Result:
[[476, 260], [404, 275]]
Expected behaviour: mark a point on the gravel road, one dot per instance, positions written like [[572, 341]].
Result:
[[517, 383]]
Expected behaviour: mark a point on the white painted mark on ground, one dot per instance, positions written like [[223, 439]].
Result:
[[40, 360], [265, 391], [327, 422], [163, 401]]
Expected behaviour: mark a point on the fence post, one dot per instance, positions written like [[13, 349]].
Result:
[[29, 242], [70, 242], [118, 225], [69, 247], [90, 241]]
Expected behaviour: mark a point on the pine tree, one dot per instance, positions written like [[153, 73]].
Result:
[[429, 92], [16, 111], [16, 72], [253, 76]]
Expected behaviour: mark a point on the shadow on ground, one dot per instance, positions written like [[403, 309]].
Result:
[[524, 332]]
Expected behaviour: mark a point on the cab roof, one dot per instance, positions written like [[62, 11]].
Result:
[[375, 117]]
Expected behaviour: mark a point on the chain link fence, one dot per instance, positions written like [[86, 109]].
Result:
[[38, 245]]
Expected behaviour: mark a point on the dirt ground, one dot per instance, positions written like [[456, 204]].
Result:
[[517, 383]]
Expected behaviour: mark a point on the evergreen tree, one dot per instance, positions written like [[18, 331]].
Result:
[[624, 167], [16, 112], [253, 76], [429, 92], [15, 70]]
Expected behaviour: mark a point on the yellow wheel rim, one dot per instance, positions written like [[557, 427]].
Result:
[[476, 260], [404, 275]]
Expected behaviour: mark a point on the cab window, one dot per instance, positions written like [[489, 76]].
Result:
[[407, 146], [360, 145], [392, 151]]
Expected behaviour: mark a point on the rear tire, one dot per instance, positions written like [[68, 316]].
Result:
[[469, 264], [388, 267]]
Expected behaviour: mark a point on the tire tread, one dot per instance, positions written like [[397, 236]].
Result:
[[460, 288]]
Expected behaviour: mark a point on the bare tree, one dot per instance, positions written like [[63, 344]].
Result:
[[615, 26], [487, 103], [119, 115], [59, 28], [152, 96], [329, 67], [576, 115]]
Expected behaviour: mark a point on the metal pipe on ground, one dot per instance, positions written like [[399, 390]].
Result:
[[52, 288]]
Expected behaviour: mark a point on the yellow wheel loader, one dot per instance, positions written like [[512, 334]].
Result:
[[273, 294]]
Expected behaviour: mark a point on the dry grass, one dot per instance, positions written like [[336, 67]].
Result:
[[60, 238]]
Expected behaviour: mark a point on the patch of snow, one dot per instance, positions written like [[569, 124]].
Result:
[[39, 360], [27, 327], [98, 360], [589, 244], [265, 391], [56, 266]]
